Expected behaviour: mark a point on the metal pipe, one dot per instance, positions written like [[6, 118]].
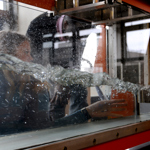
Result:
[[118, 19], [112, 16], [75, 3], [130, 11], [100, 93]]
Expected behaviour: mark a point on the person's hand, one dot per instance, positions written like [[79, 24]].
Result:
[[106, 108]]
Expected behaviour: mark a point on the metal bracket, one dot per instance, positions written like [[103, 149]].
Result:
[[119, 1]]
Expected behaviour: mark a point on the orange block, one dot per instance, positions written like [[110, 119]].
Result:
[[129, 100]]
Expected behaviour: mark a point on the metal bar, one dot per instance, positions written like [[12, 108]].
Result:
[[130, 11], [131, 59], [121, 72], [118, 19], [139, 73], [100, 93], [112, 16], [141, 146], [95, 6], [82, 20], [122, 132], [64, 4]]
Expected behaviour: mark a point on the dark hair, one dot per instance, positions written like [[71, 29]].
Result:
[[9, 41]]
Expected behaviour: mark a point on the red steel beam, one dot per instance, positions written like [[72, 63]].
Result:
[[45, 4], [50, 4], [142, 4]]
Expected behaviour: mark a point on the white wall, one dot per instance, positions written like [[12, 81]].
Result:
[[26, 13]]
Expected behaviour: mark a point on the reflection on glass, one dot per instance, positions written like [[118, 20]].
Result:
[[89, 53], [137, 22], [66, 60], [137, 41]]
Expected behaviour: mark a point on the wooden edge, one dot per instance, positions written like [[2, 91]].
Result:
[[93, 139]]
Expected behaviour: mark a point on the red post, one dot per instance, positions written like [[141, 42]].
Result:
[[100, 61]]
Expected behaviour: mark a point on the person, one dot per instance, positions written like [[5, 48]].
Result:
[[53, 27], [25, 100], [19, 98]]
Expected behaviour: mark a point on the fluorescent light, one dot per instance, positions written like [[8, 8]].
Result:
[[132, 23], [90, 50], [89, 31]]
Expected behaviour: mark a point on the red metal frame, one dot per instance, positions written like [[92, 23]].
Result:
[[142, 4], [137, 139], [50, 4], [124, 143], [100, 61], [46, 4]]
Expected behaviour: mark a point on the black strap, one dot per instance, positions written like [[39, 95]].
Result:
[[85, 112]]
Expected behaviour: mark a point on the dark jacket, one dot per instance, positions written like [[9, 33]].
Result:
[[25, 107]]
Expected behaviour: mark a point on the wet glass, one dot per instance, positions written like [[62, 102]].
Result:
[[76, 63]]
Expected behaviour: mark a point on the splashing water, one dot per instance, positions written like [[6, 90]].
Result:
[[66, 77]]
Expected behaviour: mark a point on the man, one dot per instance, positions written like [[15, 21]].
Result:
[[24, 99], [54, 40]]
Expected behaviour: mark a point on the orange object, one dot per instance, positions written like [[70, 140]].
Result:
[[45, 4], [129, 99]]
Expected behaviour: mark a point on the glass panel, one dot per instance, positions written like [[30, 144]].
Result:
[[59, 70], [137, 39]]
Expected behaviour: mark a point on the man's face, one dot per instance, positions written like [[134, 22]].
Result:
[[23, 52]]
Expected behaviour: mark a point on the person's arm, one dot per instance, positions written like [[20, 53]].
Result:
[[98, 109], [75, 118], [78, 98], [106, 108]]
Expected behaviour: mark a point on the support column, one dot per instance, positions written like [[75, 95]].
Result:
[[112, 51]]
